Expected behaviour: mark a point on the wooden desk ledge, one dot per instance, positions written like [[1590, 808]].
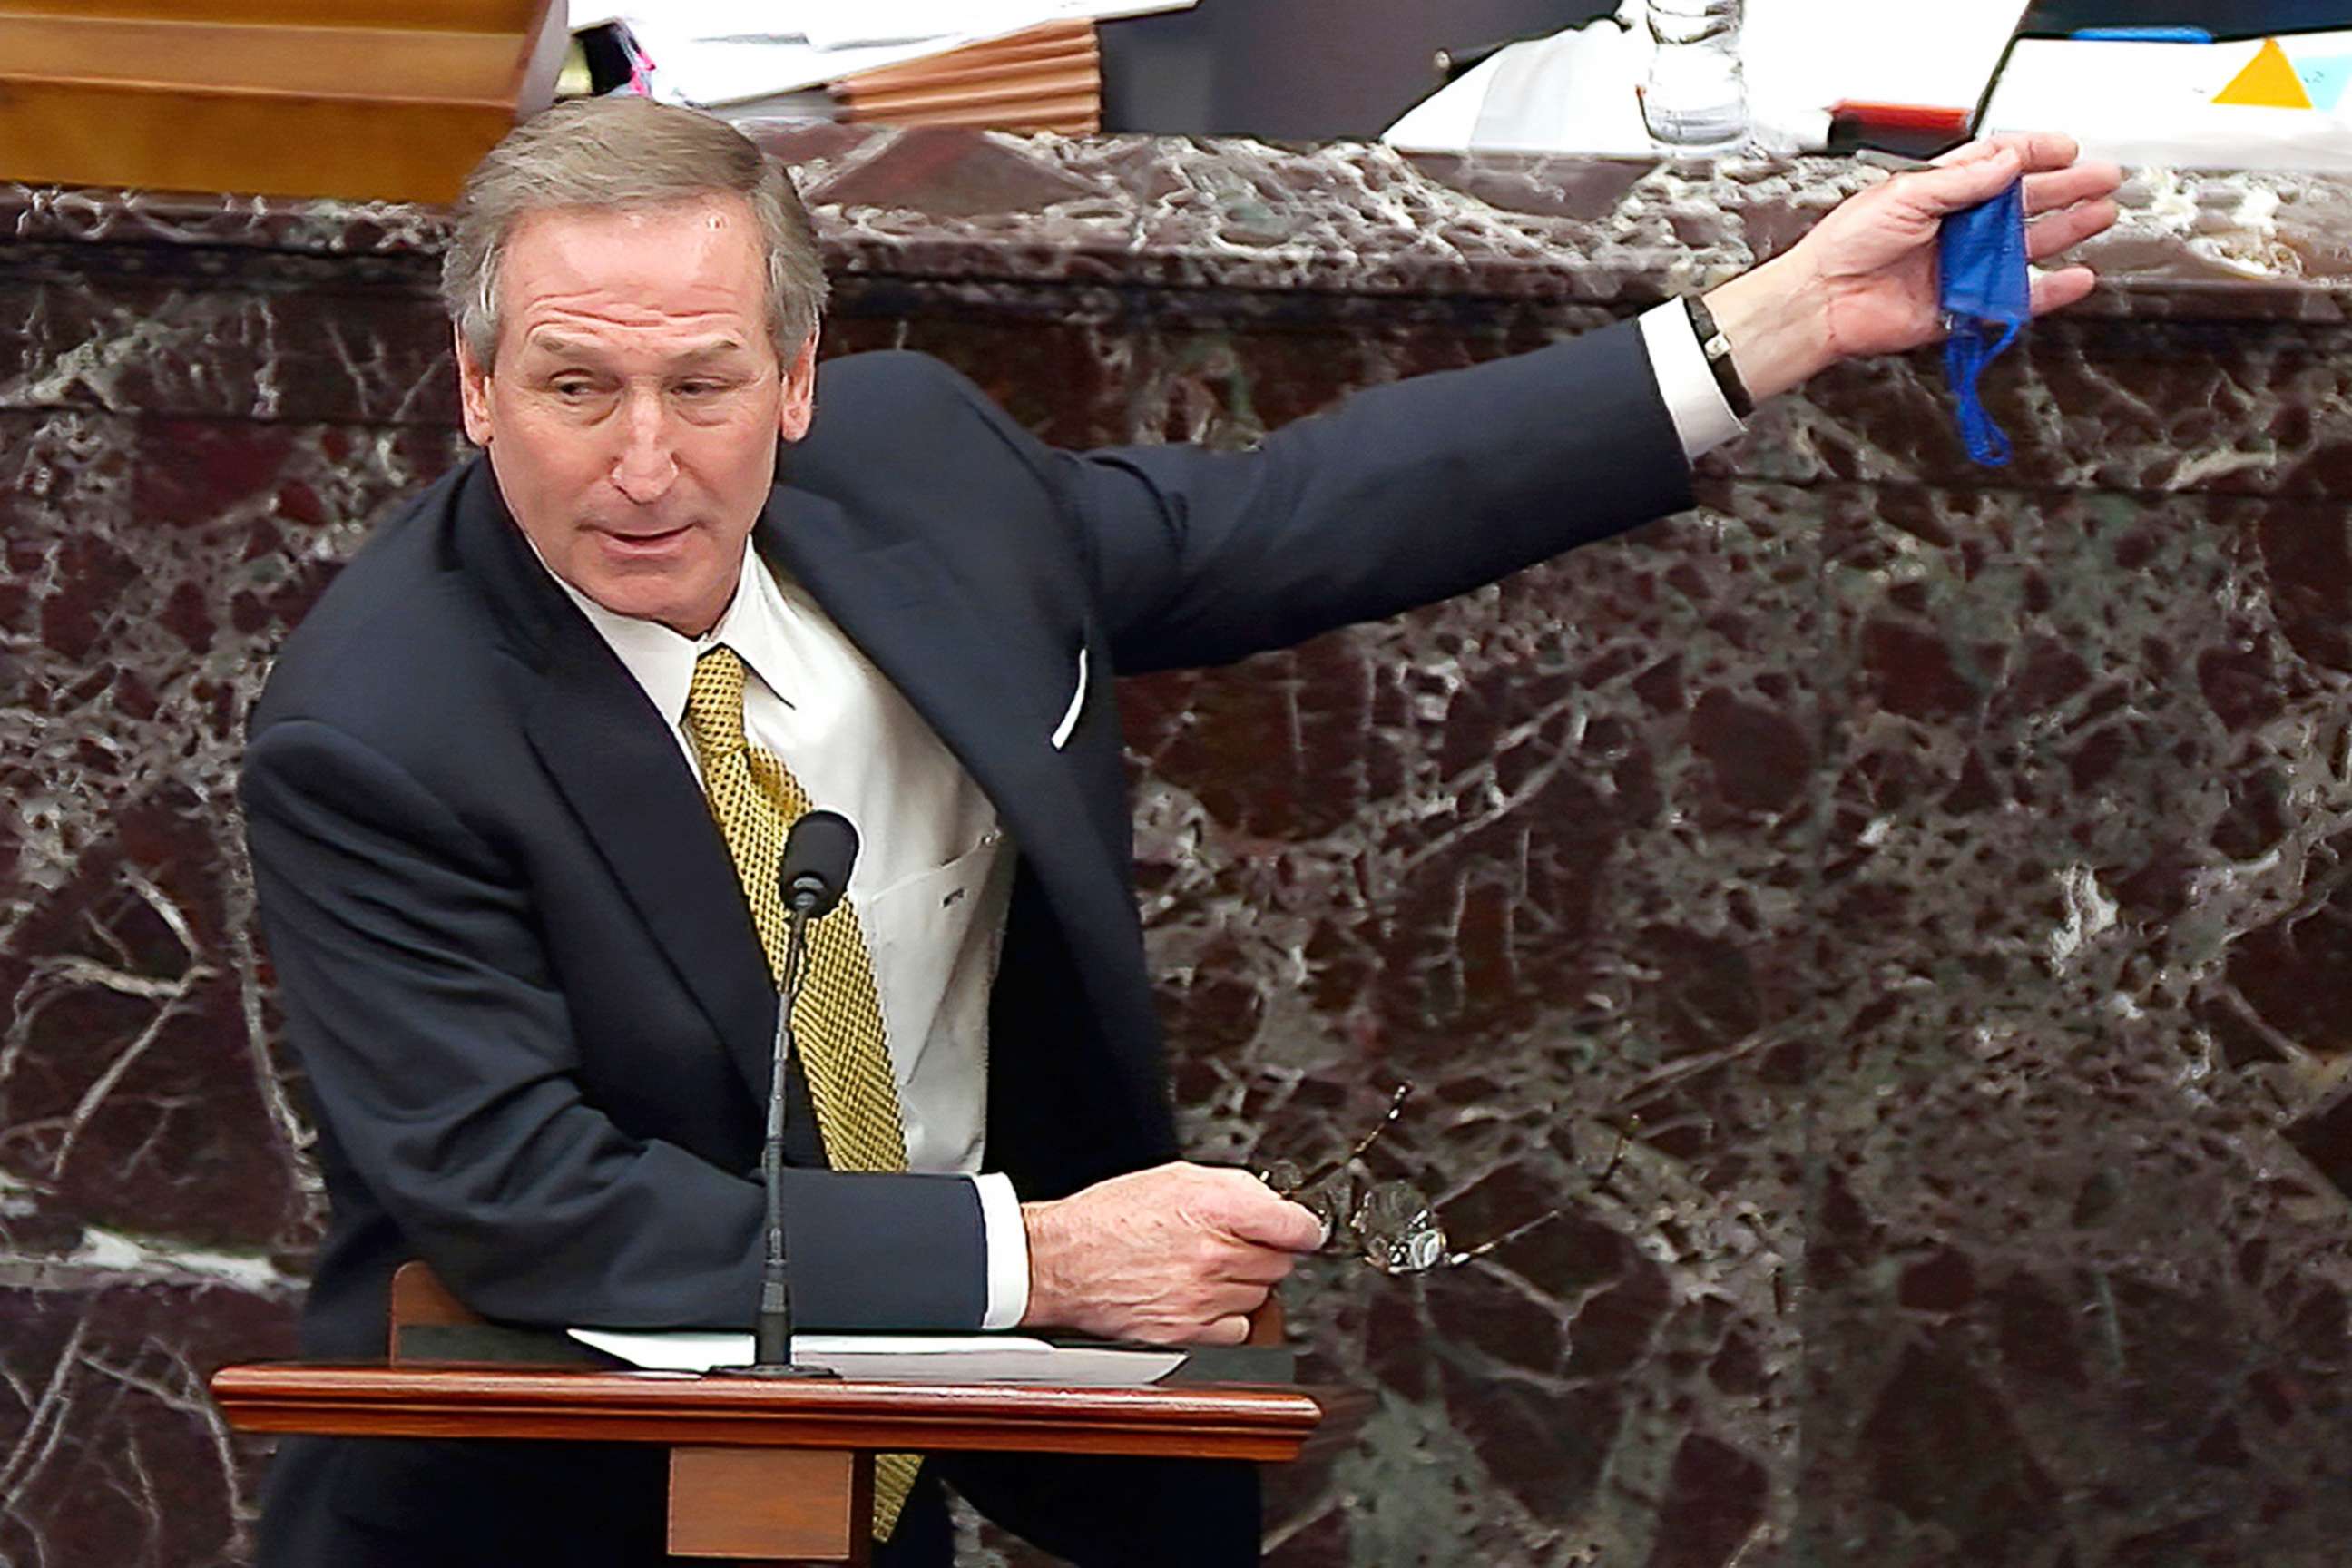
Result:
[[1199, 1421]]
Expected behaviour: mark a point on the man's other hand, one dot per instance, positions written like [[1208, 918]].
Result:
[[1863, 281], [1180, 1254]]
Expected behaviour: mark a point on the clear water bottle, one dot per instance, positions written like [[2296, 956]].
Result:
[[1695, 96]]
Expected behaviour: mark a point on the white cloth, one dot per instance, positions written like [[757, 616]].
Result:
[[932, 879], [1570, 92]]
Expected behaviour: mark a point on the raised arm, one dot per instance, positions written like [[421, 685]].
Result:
[[1415, 491]]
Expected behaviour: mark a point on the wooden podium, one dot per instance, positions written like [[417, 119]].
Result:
[[770, 1472], [386, 99]]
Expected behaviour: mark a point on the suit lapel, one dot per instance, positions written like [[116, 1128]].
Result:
[[895, 600], [899, 603], [617, 765], [620, 769]]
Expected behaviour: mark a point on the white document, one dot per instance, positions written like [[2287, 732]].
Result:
[[831, 26], [711, 52], [699, 71], [1573, 91], [2140, 103], [1804, 55], [902, 1358]]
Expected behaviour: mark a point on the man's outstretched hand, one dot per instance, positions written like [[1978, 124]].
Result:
[[1863, 281], [1180, 1254]]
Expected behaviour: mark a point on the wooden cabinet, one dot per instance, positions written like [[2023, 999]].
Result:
[[393, 100]]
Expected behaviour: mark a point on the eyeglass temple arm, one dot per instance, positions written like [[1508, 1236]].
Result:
[[1324, 1171], [1455, 1259], [1624, 1136]]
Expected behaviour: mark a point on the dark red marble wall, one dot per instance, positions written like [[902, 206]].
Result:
[[1896, 908]]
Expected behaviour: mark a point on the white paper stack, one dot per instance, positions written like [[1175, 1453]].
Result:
[[897, 1358], [766, 57]]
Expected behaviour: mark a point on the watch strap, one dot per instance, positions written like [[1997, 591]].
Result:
[[1717, 348]]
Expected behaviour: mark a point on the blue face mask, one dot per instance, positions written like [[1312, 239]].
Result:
[[1986, 296]]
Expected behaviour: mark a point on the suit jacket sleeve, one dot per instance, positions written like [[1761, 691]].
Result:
[[440, 1056], [1403, 495]]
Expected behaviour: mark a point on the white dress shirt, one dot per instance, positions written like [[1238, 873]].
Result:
[[1703, 420], [933, 875]]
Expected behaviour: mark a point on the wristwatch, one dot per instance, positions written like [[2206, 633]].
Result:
[[1717, 349]]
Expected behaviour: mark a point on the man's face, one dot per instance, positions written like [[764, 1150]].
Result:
[[633, 415]]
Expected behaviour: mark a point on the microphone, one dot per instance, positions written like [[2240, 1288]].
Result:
[[818, 854], [811, 875]]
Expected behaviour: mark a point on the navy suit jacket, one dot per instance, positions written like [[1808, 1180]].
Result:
[[515, 962]]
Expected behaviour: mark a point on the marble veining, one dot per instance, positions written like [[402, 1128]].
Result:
[[1895, 908]]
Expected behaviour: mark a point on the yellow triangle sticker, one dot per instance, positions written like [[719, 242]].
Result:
[[2269, 81]]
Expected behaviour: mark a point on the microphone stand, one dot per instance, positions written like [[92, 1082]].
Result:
[[771, 1335]]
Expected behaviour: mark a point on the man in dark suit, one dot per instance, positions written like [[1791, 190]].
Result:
[[514, 789]]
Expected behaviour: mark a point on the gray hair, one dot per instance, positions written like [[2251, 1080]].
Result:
[[620, 154]]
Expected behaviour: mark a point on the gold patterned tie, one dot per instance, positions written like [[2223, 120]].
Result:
[[837, 1021]]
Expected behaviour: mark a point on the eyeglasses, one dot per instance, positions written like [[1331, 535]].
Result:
[[1389, 1225]]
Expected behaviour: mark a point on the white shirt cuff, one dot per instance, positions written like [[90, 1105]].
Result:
[[1702, 418], [1008, 1250]]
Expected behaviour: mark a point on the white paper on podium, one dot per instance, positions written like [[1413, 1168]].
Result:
[[901, 1358]]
